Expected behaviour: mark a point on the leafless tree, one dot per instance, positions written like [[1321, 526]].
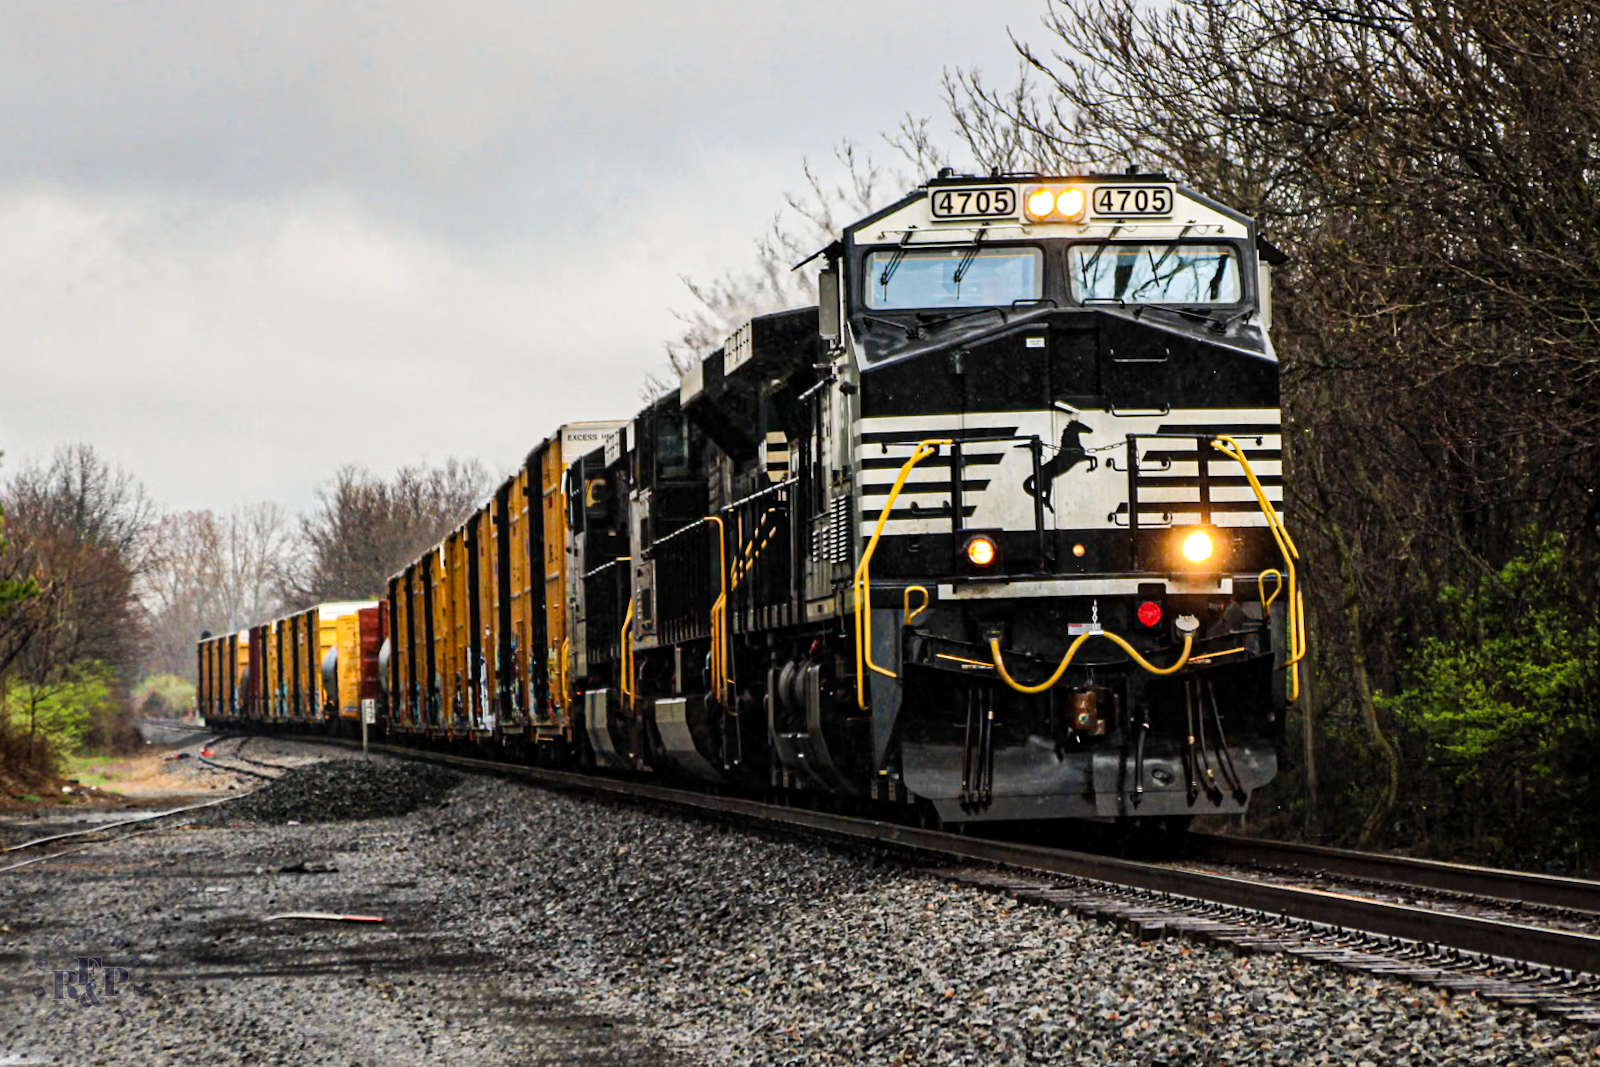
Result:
[[1430, 166], [214, 573], [80, 530], [366, 528], [809, 220], [16, 589]]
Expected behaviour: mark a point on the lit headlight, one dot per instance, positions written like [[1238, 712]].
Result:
[[1070, 204], [980, 551], [1055, 205], [1197, 547]]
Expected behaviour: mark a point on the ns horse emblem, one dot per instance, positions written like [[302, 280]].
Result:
[[1069, 455]]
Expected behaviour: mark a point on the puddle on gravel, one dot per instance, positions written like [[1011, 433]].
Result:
[[563, 1033]]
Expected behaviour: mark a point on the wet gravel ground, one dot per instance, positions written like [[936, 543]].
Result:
[[534, 927], [339, 790], [183, 780]]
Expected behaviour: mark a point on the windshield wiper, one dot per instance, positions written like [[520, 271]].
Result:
[[1098, 252], [1221, 325], [1208, 317], [939, 320], [911, 331], [1155, 264], [894, 262], [966, 260], [1188, 313]]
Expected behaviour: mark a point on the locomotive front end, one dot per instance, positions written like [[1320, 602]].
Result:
[[1073, 592]]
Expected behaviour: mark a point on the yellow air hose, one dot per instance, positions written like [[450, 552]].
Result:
[[1072, 650]]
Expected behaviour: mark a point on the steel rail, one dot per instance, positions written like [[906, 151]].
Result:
[[1550, 890], [73, 851], [1562, 949], [123, 822], [212, 763]]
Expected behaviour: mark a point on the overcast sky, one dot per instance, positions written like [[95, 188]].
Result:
[[244, 243]]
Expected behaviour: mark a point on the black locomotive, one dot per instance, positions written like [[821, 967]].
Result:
[[994, 532]]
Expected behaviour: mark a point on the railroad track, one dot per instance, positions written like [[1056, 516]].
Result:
[[1553, 971], [1524, 891], [230, 762], [226, 763], [99, 835], [227, 766]]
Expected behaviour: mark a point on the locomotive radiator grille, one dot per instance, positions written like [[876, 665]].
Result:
[[831, 544]]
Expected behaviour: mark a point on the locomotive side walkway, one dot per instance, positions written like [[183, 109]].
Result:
[[536, 927]]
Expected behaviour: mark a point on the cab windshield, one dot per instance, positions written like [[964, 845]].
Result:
[[1155, 273], [968, 276]]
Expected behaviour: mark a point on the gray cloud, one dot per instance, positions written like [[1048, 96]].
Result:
[[243, 243]]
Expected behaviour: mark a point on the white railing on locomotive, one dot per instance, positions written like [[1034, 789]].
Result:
[[1036, 447], [1203, 455]]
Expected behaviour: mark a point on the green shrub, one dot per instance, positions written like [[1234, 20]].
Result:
[[164, 694], [1506, 701], [62, 713]]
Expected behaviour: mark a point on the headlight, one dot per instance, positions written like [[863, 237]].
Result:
[[980, 551], [1197, 547], [1055, 205], [1070, 204]]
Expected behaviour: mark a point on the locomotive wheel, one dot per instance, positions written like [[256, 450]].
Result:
[[926, 817]]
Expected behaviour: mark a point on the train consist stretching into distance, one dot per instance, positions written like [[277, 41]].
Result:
[[994, 532]]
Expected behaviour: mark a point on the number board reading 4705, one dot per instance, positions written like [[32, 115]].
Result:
[[977, 202], [1131, 200]]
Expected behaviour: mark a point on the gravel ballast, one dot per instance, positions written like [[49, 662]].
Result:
[[532, 927], [341, 790]]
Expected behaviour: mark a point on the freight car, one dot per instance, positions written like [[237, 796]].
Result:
[[994, 532], [315, 669]]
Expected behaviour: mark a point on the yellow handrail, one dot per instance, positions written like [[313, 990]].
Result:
[[1300, 618], [566, 691], [862, 582], [626, 642], [1072, 650], [752, 549], [1225, 444], [927, 598], [716, 649], [1261, 587], [719, 620]]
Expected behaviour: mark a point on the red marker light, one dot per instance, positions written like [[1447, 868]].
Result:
[[1149, 613]]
